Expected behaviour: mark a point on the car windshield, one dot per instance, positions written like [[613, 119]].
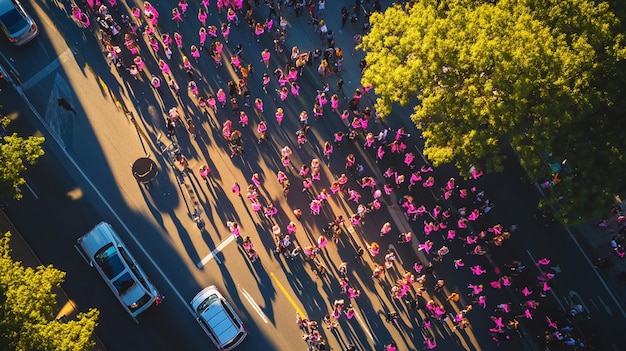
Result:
[[109, 261], [13, 21], [124, 283], [206, 303]]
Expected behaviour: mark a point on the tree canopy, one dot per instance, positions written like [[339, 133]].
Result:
[[544, 77], [15, 151], [27, 309]]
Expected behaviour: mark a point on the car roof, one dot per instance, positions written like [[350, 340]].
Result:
[[216, 316], [6, 6], [219, 320], [100, 236]]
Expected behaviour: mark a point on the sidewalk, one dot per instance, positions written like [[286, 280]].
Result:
[[596, 242], [20, 251]]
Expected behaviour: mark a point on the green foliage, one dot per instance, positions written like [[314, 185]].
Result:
[[540, 76], [27, 309], [14, 152]]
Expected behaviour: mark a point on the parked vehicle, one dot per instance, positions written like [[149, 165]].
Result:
[[218, 319], [103, 249], [16, 24]]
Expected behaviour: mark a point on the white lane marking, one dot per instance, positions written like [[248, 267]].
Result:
[[594, 304], [584, 254], [597, 272], [32, 191], [606, 307], [568, 301], [51, 67], [255, 306], [212, 254], [363, 325], [551, 290]]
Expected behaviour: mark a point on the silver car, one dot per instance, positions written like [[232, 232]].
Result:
[[218, 319], [16, 24], [104, 250]]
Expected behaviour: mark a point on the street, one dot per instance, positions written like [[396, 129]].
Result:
[[85, 177]]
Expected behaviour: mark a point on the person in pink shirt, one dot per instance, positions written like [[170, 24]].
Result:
[[234, 229], [334, 103], [235, 61], [225, 31], [328, 150], [177, 16], [385, 229], [243, 118], [183, 7], [165, 68], [259, 30], [478, 270], [149, 10], [283, 93], [212, 31], [195, 53], [202, 34], [212, 103], [221, 97], [279, 115], [265, 57], [136, 12], [409, 157], [258, 105], [179, 40], [316, 207], [318, 111], [291, 228], [426, 246], [202, 16], [256, 180], [295, 89], [231, 15], [380, 152], [476, 289], [262, 131], [139, 62]]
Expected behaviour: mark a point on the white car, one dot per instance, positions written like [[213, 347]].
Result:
[[16, 24], [218, 319], [103, 249]]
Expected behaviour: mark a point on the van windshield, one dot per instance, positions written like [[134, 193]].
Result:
[[109, 261], [206, 303]]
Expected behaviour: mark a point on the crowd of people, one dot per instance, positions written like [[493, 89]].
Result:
[[451, 217]]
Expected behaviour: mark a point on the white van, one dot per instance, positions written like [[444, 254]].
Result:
[[218, 319], [103, 249]]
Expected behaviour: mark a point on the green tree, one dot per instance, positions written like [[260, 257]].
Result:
[[27, 309], [15, 151], [541, 76]]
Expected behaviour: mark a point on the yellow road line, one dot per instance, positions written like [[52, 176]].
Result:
[[289, 298]]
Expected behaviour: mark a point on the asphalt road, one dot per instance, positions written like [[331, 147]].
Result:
[[155, 221]]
